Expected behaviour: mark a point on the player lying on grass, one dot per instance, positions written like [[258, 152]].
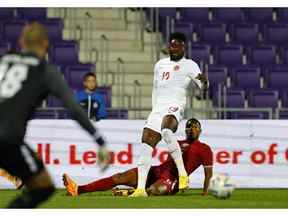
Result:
[[162, 179]]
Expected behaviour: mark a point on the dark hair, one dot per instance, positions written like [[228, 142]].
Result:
[[89, 74], [177, 36], [191, 121]]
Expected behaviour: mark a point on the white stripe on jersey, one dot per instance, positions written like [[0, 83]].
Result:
[[29, 159]]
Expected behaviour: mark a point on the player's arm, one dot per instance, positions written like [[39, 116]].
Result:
[[207, 161], [59, 88], [199, 78], [204, 80], [208, 172]]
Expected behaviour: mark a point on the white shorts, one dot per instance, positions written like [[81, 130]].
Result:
[[155, 118]]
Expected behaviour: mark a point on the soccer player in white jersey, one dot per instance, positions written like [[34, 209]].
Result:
[[172, 76]]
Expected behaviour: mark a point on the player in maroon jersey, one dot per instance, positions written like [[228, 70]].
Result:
[[162, 179]]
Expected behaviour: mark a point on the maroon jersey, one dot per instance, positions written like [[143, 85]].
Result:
[[194, 154]]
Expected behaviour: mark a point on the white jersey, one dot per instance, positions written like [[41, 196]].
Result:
[[171, 80]]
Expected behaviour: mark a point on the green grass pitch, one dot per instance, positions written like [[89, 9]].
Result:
[[241, 198]]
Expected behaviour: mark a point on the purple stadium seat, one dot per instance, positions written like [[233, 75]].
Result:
[[170, 12], [199, 53], [284, 55], [281, 67], [4, 47], [234, 70], [212, 33], [228, 15], [248, 115], [259, 15], [217, 76], [263, 98], [51, 114], [1, 32], [283, 114], [47, 114], [6, 13], [184, 27], [235, 98], [276, 34], [12, 30], [277, 79], [230, 55], [165, 16], [54, 102], [263, 56], [64, 53], [245, 33], [282, 14], [31, 13], [195, 15], [118, 114], [284, 99], [54, 27], [74, 74], [107, 93], [246, 79]]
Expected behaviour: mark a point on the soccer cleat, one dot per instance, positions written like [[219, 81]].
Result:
[[122, 192], [71, 186], [139, 193], [183, 182], [13, 179]]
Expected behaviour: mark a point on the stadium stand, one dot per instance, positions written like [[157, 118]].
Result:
[[63, 52], [248, 47], [241, 49]]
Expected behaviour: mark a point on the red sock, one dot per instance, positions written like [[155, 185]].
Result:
[[99, 185]]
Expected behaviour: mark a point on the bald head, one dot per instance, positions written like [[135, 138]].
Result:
[[34, 37]]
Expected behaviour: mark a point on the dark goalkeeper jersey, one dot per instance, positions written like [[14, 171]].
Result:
[[25, 81]]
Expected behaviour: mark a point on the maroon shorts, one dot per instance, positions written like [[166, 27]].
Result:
[[160, 176]]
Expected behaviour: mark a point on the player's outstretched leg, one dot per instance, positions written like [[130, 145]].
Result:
[[13, 179], [169, 127], [128, 178], [150, 139], [71, 186]]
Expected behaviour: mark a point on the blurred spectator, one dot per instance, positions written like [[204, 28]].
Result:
[[91, 101]]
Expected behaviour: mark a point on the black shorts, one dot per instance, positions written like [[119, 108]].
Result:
[[18, 159]]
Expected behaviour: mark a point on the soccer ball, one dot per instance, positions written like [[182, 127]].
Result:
[[221, 186]]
